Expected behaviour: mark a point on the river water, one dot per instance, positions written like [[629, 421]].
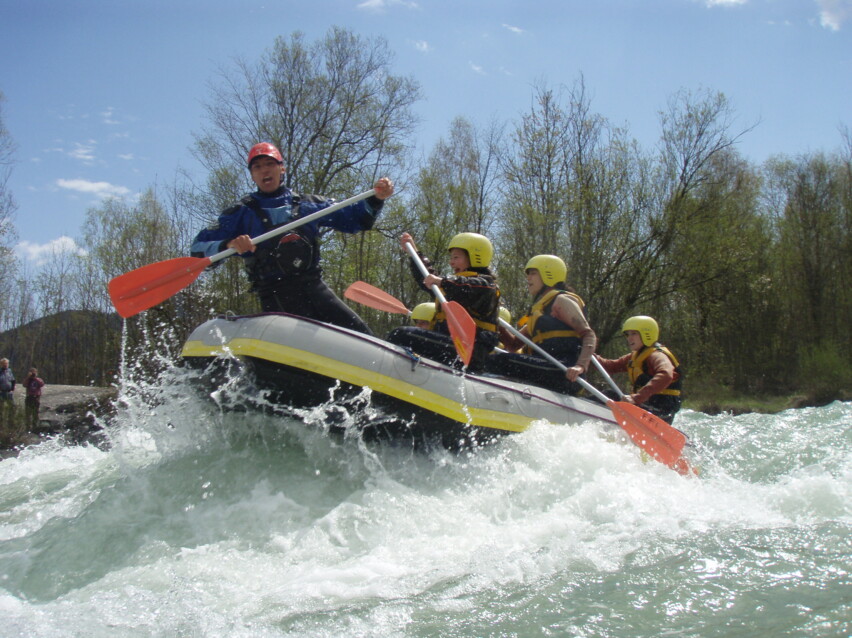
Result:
[[205, 522]]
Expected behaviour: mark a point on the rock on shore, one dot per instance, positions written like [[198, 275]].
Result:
[[65, 409]]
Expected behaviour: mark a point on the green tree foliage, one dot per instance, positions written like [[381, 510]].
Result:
[[722, 294], [809, 207]]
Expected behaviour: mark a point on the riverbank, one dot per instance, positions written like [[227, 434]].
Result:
[[720, 400], [70, 410]]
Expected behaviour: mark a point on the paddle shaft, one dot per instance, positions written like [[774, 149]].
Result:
[[461, 326], [532, 344], [423, 271], [606, 376], [295, 224]]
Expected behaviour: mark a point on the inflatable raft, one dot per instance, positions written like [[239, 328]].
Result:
[[287, 362]]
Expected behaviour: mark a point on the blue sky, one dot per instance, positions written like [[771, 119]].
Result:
[[102, 96]]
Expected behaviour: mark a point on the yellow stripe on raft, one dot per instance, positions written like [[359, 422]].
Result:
[[356, 375]]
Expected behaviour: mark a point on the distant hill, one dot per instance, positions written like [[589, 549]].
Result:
[[74, 347]]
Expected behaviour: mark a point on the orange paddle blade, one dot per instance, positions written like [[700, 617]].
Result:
[[660, 440], [462, 329], [373, 297], [140, 289]]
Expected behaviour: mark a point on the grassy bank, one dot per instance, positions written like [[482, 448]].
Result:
[[714, 399], [738, 404]]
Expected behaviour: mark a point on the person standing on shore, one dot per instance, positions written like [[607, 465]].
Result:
[[7, 401], [32, 401]]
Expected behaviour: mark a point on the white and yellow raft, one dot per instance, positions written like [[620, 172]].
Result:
[[295, 362]]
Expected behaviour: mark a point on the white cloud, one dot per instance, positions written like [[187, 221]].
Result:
[[99, 189], [513, 29], [39, 254], [476, 68], [422, 46], [833, 13], [107, 116], [382, 5], [84, 152]]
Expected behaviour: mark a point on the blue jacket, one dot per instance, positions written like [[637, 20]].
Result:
[[7, 380], [293, 256]]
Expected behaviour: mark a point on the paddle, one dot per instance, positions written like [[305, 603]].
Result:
[[608, 378], [140, 289], [462, 327], [363, 293], [653, 435]]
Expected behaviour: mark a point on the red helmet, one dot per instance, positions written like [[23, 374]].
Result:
[[267, 149]]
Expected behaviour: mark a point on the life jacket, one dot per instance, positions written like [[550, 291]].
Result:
[[290, 254], [554, 336], [484, 313], [639, 377]]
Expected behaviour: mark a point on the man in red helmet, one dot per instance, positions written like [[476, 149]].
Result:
[[285, 270]]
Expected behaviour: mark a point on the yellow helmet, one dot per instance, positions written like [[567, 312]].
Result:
[[646, 327], [505, 315], [551, 268], [423, 312], [478, 247]]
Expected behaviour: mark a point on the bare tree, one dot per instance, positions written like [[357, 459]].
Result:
[[333, 108], [55, 281], [8, 233], [537, 175], [692, 179], [341, 119], [7, 202], [456, 190], [577, 188]]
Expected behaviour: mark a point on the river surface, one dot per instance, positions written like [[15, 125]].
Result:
[[198, 521]]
